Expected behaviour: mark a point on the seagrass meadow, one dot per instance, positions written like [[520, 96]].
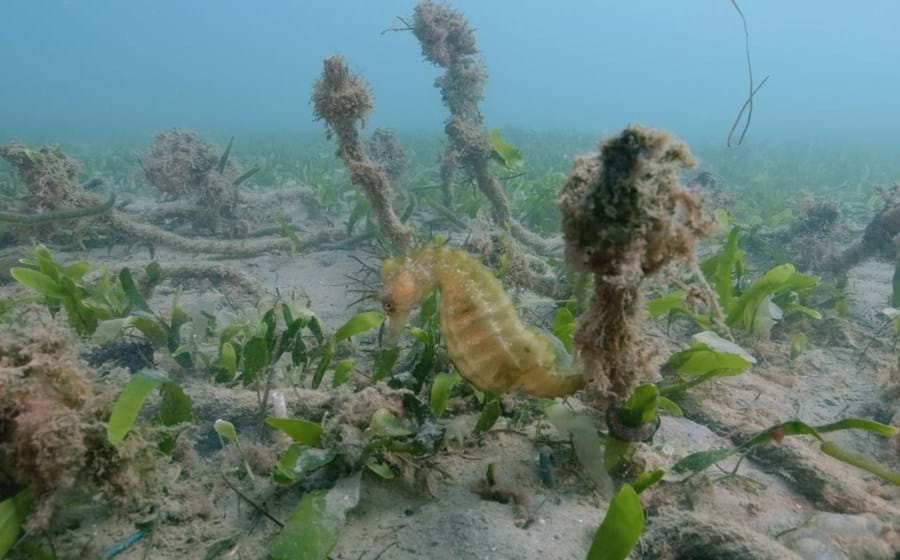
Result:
[[465, 280]]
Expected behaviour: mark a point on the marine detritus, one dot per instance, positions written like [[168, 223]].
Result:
[[625, 215]]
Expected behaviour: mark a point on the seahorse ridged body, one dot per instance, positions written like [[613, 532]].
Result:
[[484, 336]]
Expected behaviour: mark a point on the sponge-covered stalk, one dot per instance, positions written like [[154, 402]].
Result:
[[625, 215], [342, 100]]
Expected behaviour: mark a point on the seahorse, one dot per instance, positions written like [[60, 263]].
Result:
[[485, 338]]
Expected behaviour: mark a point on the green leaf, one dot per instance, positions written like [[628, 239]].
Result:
[[13, 512], [226, 429], [342, 372], [76, 269], [384, 362], [359, 323], [301, 431], [777, 280], [310, 533], [504, 153], [228, 361], [37, 281], [151, 328], [710, 353], [701, 460], [648, 479], [621, 528], [861, 462], [665, 304], [385, 424], [725, 266], [380, 469], [131, 292], [798, 345], [327, 353], [108, 331], [440, 391], [299, 461], [175, 406], [669, 407], [489, 415], [129, 402], [564, 327], [640, 408], [859, 424], [256, 358]]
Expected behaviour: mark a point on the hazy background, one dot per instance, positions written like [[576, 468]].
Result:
[[83, 70]]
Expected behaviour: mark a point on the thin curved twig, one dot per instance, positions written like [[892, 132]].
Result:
[[748, 104]]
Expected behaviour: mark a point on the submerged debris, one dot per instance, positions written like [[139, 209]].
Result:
[[625, 216]]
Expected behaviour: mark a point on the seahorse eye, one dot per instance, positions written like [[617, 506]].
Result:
[[388, 306]]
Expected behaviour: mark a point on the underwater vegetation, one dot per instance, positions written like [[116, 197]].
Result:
[[332, 339]]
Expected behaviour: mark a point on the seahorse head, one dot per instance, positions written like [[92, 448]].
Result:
[[407, 280]]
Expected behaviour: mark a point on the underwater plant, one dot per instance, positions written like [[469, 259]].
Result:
[[342, 100], [625, 216], [484, 336], [447, 41], [181, 164]]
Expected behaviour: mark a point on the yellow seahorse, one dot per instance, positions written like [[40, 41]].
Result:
[[484, 336]]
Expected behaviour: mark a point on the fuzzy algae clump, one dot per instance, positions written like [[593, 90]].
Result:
[[342, 100], [53, 435], [625, 215]]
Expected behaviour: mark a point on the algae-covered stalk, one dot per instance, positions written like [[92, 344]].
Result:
[[342, 100], [625, 215], [448, 41]]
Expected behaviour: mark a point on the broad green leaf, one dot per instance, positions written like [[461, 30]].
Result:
[[380, 469], [710, 353], [228, 361], [489, 415], [175, 406], [300, 460], [13, 512], [226, 429], [648, 479], [108, 331], [385, 424], [301, 431], [384, 362], [76, 269], [859, 424], [701, 460], [798, 345], [861, 462], [131, 292], [440, 391], [777, 280], [310, 533], [640, 408], [151, 328], [503, 152], [359, 323], [327, 353], [725, 265], [621, 528], [129, 402], [564, 327], [665, 304], [37, 281], [342, 372], [669, 406], [256, 358]]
